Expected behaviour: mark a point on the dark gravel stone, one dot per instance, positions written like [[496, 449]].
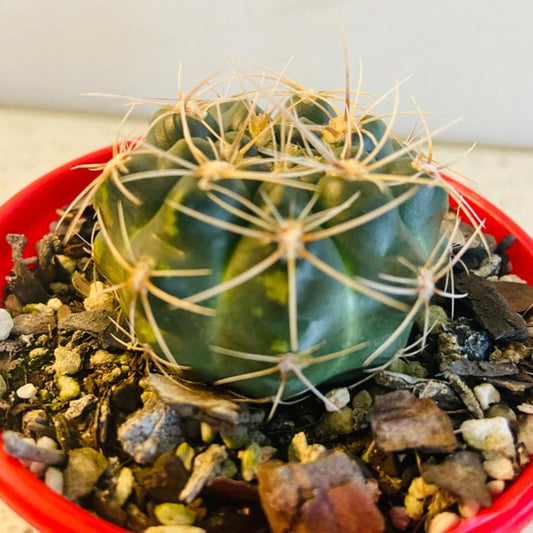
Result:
[[473, 343], [491, 309]]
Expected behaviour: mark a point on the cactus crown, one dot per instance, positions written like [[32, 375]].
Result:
[[274, 239]]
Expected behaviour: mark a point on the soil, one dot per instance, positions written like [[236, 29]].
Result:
[[436, 434]]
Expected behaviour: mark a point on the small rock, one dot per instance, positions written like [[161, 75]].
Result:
[[440, 392], [26, 286], [318, 496], [47, 443], [53, 477], [468, 507], [417, 494], [361, 406], [468, 340], [437, 319], [35, 423], [175, 529], [401, 421], [303, 452], [217, 410], [80, 406], [27, 391], [335, 423], [123, 486], [174, 514], [463, 367], [186, 453], [443, 522], [6, 324], [205, 467], [91, 321], [490, 266], [525, 432], [490, 434], [69, 388], [496, 487], [491, 309], [84, 468], [54, 304], [3, 386], [34, 323], [164, 480], [150, 431], [99, 299], [67, 361], [27, 449], [465, 393], [486, 394], [339, 398], [461, 474], [516, 352], [501, 409], [499, 468], [526, 408], [519, 295]]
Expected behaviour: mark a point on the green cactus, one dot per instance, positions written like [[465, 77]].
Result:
[[271, 249]]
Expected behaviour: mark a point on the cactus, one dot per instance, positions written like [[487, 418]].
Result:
[[272, 240]]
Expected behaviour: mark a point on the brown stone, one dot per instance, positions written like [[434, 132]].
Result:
[[318, 497], [400, 421], [519, 296]]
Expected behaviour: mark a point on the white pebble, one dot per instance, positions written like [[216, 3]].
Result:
[[6, 324], [174, 529], [441, 522], [525, 408], [26, 392], [492, 434], [512, 277], [468, 507], [53, 477], [98, 298], [47, 442], [499, 468], [54, 303], [486, 394], [496, 487], [124, 486], [339, 397], [66, 361]]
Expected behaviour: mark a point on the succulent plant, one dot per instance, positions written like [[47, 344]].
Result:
[[274, 239]]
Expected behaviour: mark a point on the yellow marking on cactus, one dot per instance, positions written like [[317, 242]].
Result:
[[275, 284], [138, 274], [279, 346]]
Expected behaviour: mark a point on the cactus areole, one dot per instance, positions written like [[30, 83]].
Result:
[[272, 240]]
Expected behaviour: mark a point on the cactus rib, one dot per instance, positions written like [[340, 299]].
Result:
[[276, 238]]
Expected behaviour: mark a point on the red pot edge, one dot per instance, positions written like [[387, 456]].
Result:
[[510, 512]]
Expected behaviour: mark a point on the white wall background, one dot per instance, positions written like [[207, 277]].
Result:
[[469, 58]]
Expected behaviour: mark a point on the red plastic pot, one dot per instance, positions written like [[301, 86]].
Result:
[[34, 208]]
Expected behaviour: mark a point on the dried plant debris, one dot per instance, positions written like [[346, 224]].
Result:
[[491, 309], [422, 442]]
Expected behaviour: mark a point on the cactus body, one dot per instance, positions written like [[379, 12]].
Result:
[[250, 239]]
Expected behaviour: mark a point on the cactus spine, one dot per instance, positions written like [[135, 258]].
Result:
[[271, 240]]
